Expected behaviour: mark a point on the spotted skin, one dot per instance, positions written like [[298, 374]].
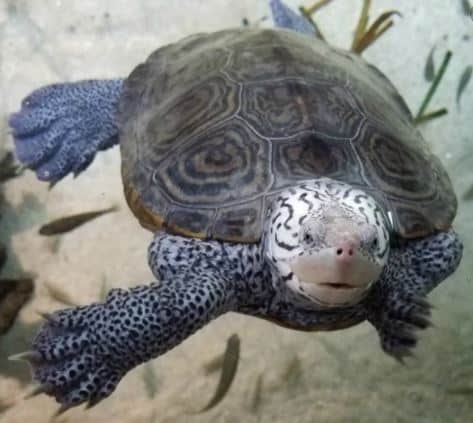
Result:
[[87, 350], [398, 304], [60, 127], [83, 352]]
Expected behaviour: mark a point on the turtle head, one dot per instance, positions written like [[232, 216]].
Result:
[[328, 242]]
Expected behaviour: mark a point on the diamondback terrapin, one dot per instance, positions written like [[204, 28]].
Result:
[[283, 178]]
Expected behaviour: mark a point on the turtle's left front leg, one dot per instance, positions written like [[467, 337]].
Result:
[[397, 306]]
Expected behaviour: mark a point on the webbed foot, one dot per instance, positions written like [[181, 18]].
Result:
[[60, 127], [72, 358], [397, 306], [80, 354], [75, 367], [398, 323]]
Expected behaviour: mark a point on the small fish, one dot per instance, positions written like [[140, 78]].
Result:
[[4, 405], [59, 295], [468, 195], [19, 285], [68, 223], [461, 390], [54, 244], [103, 289], [3, 256], [150, 380], [229, 368], [14, 293], [466, 7], [8, 168], [429, 70], [257, 394], [462, 84], [293, 372]]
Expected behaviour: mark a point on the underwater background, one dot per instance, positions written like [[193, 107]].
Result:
[[283, 375]]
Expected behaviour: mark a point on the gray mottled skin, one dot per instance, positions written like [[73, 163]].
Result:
[[85, 351], [80, 354]]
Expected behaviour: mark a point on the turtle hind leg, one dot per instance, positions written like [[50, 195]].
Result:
[[284, 17], [60, 127]]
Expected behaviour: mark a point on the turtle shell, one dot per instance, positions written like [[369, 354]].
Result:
[[214, 126]]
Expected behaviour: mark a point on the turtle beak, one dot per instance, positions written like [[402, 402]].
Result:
[[334, 276]]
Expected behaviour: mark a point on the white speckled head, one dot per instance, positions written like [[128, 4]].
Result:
[[328, 242]]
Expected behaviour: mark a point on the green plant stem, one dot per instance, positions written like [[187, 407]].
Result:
[[308, 16], [429, 116], [433, 86]]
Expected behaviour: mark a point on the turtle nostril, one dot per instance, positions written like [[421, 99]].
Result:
[[345, 251]]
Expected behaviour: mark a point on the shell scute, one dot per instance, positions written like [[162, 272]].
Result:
[[213, 127]]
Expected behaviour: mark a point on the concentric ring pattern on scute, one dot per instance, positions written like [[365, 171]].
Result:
[[226, 162], [214, 126]]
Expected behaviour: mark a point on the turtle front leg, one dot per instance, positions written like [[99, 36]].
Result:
[[60, 127], [80, 354], [397, 305]]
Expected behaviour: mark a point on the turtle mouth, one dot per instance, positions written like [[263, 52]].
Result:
[[337, 285], [331, 282], [330, 294]]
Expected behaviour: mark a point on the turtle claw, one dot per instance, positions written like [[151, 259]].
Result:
[[422, 303], [421, 321], [28, 356], [61, 410], [92, 403], [49, 318], [399, 342], [43, 388], [397, 321], [69, 362], [401, 356]]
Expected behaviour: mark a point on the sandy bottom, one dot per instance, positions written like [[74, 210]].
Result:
[[336, 377]]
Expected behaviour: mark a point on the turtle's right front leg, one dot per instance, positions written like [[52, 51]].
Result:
[[60, 127], [80, 354]]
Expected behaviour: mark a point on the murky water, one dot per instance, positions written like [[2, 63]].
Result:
[[303, 377]]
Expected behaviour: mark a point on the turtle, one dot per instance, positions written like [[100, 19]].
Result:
[[282, 178]]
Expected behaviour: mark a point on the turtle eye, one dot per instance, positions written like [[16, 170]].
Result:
[[374, 243]]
